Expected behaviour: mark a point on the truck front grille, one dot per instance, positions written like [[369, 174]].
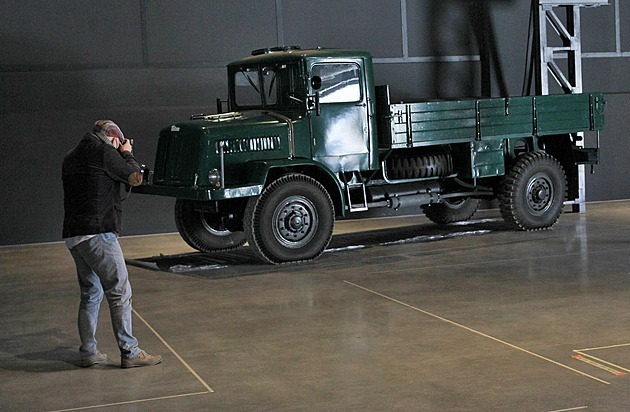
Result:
[[250, 144], [177, 159]]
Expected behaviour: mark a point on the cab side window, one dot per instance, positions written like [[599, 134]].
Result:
[[337, 82]]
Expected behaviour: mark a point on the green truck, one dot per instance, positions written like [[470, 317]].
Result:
[[308, 138]]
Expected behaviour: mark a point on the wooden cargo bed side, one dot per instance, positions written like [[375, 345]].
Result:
[[446, 122]]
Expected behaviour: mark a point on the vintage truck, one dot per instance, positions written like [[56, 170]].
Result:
[[307, 138]]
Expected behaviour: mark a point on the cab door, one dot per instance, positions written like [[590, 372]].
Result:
[[340, 122]]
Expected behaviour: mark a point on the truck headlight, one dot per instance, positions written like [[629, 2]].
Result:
[[214, 178]]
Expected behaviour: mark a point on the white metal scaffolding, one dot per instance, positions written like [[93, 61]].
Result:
[[569, 49]]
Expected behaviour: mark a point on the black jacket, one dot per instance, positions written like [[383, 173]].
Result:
[[91, 174]]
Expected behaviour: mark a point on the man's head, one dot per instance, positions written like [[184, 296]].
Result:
[[109, 129]]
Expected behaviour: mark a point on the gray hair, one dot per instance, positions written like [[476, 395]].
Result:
[[105, 126]]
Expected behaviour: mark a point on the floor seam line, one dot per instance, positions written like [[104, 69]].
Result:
[[170, 348], [105, 405], [443, 319]]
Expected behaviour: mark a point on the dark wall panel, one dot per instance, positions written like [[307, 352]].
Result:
[[598, 24], [354, 24], [193, 31], [47, 113], [609, 75], [624, 16], [31, 189], [609, 180], [109, 89], [424, 81], [70, 32]]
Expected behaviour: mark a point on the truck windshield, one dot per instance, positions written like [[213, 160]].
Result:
[[267, 86]]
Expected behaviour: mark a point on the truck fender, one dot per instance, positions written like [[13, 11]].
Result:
[[265, 172]]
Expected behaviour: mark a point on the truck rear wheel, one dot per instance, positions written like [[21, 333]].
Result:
[[451, 210], [204, 230], [292, 220], [533, 192]]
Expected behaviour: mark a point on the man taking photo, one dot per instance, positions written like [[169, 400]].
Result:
[[92, 173]]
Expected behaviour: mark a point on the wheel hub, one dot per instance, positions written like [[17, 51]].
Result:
[[295, 222], [539, 194]]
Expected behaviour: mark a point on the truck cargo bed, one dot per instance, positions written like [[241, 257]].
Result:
[[407, 125]]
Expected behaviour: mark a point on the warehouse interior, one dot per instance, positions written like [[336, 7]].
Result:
[[397, 314]]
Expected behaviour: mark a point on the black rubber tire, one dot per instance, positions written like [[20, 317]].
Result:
[[203, 230], [451, 210], [415, 167], [533, 192], [292, 220]]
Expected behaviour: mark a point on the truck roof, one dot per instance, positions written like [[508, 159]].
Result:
[[292, 53]]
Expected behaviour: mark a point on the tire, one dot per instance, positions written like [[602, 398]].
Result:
[[292, 220], [419, 167], [533, 192], [204, 230], [451, 210]]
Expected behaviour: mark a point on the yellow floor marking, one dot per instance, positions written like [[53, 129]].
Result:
[[170, 348], [191, 370], [592, 362], [621, 345], [130, 402], [459, 325], [595, 361]]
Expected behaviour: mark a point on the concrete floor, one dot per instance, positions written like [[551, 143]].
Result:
[[399, 315]]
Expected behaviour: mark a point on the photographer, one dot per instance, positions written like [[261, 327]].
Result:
[[92, 173]]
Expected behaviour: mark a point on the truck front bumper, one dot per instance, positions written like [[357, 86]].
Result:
[[198, 193]]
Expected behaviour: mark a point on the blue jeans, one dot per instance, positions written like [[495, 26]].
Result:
[[101, 270]]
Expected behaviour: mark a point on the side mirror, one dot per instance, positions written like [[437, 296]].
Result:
[[313, 100], [316, 82]]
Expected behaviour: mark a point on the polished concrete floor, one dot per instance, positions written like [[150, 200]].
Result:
[[399, 315]]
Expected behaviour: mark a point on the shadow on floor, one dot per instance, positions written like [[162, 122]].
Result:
[[243, 262], [59, 358]]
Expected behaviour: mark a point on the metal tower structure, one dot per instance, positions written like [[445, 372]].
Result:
[[569, 77]]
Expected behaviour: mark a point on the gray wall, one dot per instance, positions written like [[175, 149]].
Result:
[[147, 63]]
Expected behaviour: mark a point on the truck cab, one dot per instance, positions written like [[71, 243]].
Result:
[[327, 94]]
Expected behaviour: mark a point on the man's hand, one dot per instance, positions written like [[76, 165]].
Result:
[[135, 179], [126, 147]]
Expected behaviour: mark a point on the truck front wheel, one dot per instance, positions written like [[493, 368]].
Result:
[[292, 220], [533, 192], [203, 229]]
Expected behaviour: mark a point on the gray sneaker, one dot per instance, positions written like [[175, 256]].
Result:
[[92, 360], [141, 359]]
